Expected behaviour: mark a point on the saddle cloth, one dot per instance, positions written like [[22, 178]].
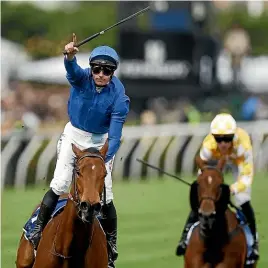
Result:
[[28, 227]]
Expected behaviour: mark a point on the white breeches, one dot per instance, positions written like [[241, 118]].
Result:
[[65, 158]]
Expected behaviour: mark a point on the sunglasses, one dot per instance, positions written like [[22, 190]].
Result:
[[107, 71], [225, 138]]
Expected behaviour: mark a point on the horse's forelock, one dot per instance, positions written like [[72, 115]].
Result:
[[213, 172]]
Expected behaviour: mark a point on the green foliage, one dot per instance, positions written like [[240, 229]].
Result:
[[255, 26], [44, 33]]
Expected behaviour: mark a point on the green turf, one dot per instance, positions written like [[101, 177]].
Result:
[[151, 216]]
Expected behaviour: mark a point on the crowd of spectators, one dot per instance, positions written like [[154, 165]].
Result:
[[37, 106]]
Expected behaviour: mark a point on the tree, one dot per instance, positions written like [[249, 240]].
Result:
[[44, 33]]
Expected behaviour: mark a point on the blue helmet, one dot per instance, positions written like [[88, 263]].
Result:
[[104, 55]]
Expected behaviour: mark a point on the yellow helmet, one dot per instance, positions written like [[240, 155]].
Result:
[[223, 124]]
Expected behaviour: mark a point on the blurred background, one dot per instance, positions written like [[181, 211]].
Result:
[[181, 63]]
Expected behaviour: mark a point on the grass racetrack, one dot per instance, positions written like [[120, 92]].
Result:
[[151, 215]]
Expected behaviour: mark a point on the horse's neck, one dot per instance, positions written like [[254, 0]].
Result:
[[215, 240], [225, 223], [220, 225], [70, 230], [217, 233]]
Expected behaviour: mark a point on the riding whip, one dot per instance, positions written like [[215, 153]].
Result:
[[176, 177], [163, 171], [109, 28]]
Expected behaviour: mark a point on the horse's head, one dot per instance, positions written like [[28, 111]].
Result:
[[209, 195], [88, 181]]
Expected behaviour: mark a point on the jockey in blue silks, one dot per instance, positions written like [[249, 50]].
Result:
[[97, 110]]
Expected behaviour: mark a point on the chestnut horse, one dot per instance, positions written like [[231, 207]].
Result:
[[74, 238], [218, 241]]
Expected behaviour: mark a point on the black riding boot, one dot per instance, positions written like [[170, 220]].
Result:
[[109, 224], [46, 209], [250, 216], [181, 248]]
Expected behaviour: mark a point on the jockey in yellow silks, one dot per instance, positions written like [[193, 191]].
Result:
[[225, 138]]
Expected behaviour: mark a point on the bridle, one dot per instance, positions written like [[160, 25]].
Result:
[[208, 197], [76, 171]]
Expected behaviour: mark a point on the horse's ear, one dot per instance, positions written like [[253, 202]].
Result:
[[76, 150], [104, 149], [199, 162], [221, 163]]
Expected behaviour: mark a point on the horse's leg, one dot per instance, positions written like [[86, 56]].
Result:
[[25, 254], [235, 253], [198, 264], [193, 260], [194, 253], [231, 263], [232, 260]]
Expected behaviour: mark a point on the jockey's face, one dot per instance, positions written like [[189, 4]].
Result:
[[224, 142], [101, 74]]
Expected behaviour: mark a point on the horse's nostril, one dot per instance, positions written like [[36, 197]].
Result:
[[84, 206]]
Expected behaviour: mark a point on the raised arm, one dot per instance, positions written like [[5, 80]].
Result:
[[75, 73]]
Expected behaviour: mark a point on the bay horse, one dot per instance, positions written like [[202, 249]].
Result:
[[74, 238], [218, 241]]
